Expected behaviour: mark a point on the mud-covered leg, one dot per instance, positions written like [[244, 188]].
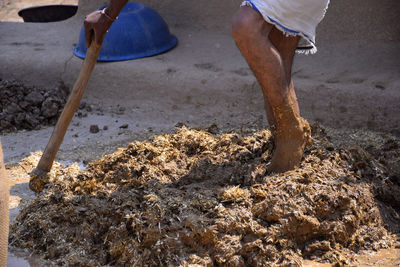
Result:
[[258, 42], [288, 138], [286, 45], [292, 134], [251, 34]]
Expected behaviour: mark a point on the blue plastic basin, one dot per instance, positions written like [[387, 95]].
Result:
[[138, 32]]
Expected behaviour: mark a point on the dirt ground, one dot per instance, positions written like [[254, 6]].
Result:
[[202, 196], [207, 186]]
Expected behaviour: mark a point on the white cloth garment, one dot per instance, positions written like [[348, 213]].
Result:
[[293, 17]]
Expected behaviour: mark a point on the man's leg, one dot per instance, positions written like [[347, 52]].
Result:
[[251, 31], [272, 70], [286, 45]]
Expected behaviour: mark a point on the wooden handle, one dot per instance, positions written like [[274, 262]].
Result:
[[50, 152]]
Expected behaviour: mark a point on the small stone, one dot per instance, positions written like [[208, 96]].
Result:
[[35, 98], [124, 126], [19, 119], [179, 125], [121, 110], [49, 108], [213, 129], [23, 104], [94, 128], [31, 120], [82, 105], [380, 86], [13, 108], [105, 127], [81, 115]]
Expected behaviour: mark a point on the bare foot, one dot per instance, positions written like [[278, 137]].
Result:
[[291, 137]]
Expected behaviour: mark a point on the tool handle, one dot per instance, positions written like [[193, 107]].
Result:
[[57, 137]]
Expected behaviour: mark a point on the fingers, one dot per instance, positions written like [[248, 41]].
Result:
[[99, 38], [89, 38], [96, 27], [88, 33], [93, 35]]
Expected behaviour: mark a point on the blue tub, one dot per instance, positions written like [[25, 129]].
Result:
[[138, 32]]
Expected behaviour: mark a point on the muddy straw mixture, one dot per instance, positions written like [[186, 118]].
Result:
[[195, 198], [28, 107]]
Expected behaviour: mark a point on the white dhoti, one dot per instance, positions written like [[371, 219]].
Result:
[[293, 17]]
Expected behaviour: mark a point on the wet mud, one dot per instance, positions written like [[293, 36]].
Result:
[[27, 107], [192, 197]]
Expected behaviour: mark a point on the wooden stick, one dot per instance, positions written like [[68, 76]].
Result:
[[57, 137]]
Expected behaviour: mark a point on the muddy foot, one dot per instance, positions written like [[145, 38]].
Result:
[[293, 133], [290, 143]]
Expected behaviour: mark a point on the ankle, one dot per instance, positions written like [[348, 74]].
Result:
[[285, 113]]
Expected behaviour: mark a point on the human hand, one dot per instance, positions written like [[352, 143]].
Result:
[[96, 25]]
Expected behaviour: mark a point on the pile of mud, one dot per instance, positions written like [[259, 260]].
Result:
[[27, 107], [194, 198]]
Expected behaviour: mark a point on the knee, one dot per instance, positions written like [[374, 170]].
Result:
[[245, 22]]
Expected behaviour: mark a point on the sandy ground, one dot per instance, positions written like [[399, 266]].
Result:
[[352, 85]]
